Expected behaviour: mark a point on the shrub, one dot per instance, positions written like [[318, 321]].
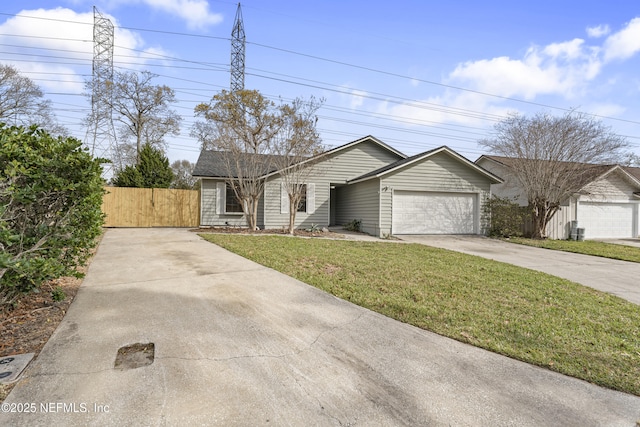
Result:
[[50, 208], [506, 217], [354, 225], [57, 294]]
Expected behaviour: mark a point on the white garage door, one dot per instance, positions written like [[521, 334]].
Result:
[[606, 220], [416, 212]]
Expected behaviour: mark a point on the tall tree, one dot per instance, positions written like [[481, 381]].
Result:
[[143, 110], [152, 171], [550, 157], [183, 179], [242, 126], [22, 102], [295, 147]]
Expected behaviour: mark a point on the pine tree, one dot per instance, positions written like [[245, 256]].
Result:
[[153, 171]]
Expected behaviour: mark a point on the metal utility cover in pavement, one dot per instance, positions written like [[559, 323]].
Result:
[[12, 366]]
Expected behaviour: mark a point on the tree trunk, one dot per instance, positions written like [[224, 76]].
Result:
[[254, 213], [293, 208], [541, 215]]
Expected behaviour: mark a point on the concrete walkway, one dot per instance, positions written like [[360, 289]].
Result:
[[619, 278], [240, 344]]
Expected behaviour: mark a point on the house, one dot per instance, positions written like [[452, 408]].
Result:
[[435, 192], [606, 206]]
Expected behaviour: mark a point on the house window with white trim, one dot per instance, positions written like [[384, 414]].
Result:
[[307, 202], [302, 204], [232, 204]]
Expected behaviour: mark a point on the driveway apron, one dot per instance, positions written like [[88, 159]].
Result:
[[620, 278], [239, 344]]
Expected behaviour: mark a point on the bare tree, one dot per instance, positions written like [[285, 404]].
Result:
[[241, 125], [551, 158], [143, 110], [295, 147], [22, 103], [632, 160], [182, 178]]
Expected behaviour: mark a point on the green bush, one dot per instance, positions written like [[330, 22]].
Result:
[[50, 208], [57, 294], [152, 171], [506, 217], [354, 225]]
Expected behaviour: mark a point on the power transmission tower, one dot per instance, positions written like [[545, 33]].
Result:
[[100, 131], [237, 53]]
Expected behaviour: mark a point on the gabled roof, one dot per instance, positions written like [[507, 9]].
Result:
[[589, 172], [393, 167], [635, 172], [625, 171], [344, 147], [364, 139], [211, 163]]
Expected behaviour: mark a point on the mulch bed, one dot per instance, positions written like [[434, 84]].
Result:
[[244, 230], [27, 327]]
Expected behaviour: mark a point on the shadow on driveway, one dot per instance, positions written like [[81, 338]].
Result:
[[240, 344]]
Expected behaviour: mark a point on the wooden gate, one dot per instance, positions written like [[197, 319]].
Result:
[[151, 207]]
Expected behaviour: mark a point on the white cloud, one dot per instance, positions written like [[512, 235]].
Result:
[[558, 68], [195, 13], [357, 99], [599, 31], [604, 109], [352, 98], [466, 108], [566, 69], [567, 50], [55, 47], [625, 43]]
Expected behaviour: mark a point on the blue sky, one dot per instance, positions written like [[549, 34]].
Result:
[[417, 74]]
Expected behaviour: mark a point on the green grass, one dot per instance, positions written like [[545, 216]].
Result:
[[586, 247], [524, 314]]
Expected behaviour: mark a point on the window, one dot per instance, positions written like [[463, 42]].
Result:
[[302, 205], [307, 200], [231, 204]]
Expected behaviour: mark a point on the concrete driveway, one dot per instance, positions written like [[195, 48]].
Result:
[[616, 277], [240, 344]]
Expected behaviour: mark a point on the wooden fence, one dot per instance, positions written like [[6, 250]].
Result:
[[151, 207]]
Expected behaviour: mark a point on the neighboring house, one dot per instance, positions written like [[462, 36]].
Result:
[[606, 206], [436, 192]]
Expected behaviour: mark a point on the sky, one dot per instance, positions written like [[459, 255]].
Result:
[[416, 74]]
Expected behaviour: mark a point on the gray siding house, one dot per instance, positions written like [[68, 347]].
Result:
[[606, 206], [436, 192]]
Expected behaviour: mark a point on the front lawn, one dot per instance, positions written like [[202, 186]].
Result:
[[586, 247], [524, 314]]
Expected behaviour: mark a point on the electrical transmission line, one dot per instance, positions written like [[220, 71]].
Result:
[[101, 136], [237, 53]]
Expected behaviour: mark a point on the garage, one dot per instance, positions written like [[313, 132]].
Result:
[[418, 212], [607, 220]]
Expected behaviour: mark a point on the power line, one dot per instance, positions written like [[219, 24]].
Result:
[[293, 80], [342, 63]]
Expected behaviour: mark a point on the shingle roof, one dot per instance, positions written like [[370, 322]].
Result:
[[588, 172], [212, 164], [635, 172]]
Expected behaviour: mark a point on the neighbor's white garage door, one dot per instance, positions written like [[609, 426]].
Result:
[[416, 212], [606, 220]]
